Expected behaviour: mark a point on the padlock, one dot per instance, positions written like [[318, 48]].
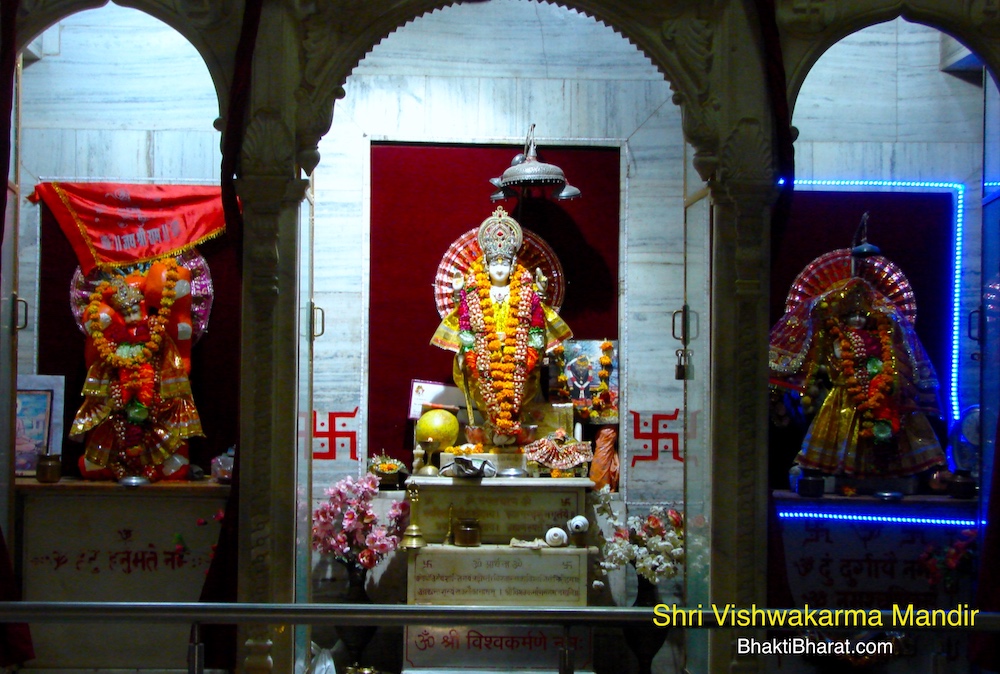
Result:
[[681, 369]]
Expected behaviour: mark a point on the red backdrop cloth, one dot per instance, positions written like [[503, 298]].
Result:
[[426, 196], [117, 224]]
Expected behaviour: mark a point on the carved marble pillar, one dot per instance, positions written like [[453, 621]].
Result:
[[271, 191], [739, 455], [268, 416], [743, 190]]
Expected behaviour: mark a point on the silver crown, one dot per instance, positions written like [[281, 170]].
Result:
[[125, 296], [499, 236]]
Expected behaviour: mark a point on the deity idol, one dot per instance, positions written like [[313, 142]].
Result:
[[138, 411], [873, 421], [500, 327]]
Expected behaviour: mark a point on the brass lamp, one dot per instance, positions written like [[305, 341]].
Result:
[[413, 538]]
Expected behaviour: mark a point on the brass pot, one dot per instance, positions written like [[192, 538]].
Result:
[[467, 532], [49, 468]]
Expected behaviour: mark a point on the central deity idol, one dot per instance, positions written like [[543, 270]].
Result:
[[499, 328]]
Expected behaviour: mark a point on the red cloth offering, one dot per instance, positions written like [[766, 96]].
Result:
[[117, 224]]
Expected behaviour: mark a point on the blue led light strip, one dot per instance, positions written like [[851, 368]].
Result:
[[956, 282], [862, 517]]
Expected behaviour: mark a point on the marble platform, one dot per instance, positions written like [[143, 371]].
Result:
[[518, 507]]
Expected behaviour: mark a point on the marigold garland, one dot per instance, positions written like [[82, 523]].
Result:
[[560, 392], [601, 400], [108, 349], [870, 386], [502, 365]]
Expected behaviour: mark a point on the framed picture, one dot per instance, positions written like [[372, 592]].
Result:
[[39, 420], [586, 374]]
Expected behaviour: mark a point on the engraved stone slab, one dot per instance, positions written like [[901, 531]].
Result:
[[492, 575], [104, 542], [506, 508], [508, 647]]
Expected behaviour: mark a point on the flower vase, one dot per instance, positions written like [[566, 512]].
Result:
[[356, 637], [645, 639]]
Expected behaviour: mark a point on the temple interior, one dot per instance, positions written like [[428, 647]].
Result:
[[723, 213]]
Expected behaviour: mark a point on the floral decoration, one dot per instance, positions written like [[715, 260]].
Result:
[[653, 544], [870, 371], [603, 400], [347, 527], [112, 351], [384, 464], [502, 365], [944, 566], [559, 391]]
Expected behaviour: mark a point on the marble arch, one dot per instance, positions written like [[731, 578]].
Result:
[[212, 28], [677, 40], [810, 29]]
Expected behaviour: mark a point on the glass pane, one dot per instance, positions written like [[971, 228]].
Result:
[[989, 341], [697, 468], [303, 479], [8, 341]]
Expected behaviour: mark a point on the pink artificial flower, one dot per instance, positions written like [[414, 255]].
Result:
[[399, 509], [378, 541], [350, 520], [347, 527]]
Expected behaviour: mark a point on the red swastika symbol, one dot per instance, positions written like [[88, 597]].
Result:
[[655, 432], [334, 429]]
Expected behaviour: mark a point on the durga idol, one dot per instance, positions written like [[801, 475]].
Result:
[[499, 328]]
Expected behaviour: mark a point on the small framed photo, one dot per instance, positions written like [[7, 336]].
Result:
[[585, 373], [39, 420]]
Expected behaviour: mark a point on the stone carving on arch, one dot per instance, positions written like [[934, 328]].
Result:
[[335, 36], [267, 144], [810, 27], [34, 16], [688, 43], [211, 26], [746, 157], [679, 38]]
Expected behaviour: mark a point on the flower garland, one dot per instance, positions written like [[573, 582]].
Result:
[[870, 385], [141, 354], [502, 364], [602, 399], [560, 392]]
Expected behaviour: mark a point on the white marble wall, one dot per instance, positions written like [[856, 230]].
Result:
[[484, 72], [877, 106], [116, 95]]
